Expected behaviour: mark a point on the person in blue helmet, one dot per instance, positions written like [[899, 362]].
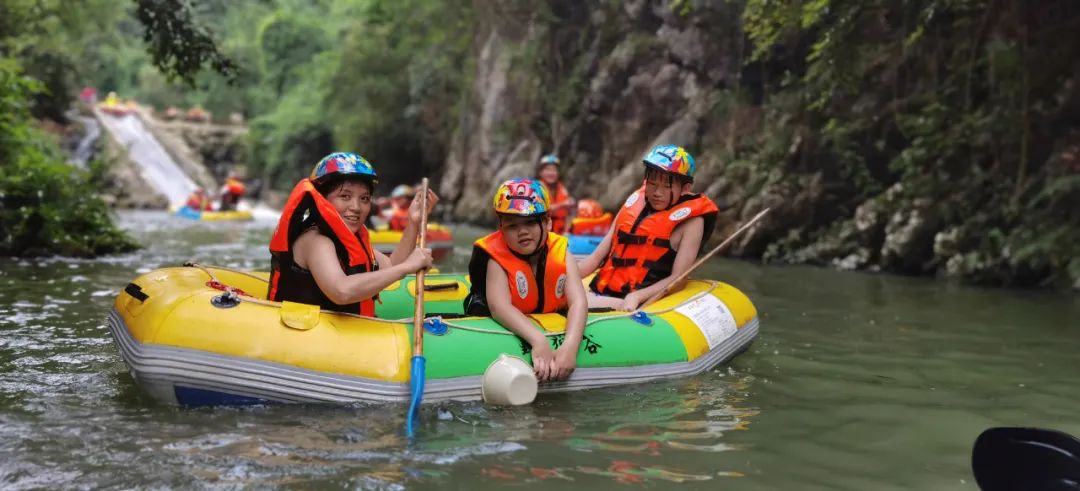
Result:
[[656, 235], [321, 253]]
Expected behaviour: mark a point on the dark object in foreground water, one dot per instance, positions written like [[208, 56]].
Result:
[[1007, 459]]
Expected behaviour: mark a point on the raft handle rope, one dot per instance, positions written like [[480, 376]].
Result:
[[258, 301]]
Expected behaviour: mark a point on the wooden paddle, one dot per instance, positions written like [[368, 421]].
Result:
[[670, 286], [416, 378]]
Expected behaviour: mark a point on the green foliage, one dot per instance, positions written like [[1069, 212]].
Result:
[[178, 45], [952, 98], [45, 206]]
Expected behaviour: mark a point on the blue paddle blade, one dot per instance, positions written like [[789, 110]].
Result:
[[416, 388]]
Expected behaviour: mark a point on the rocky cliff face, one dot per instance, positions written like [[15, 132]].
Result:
[[603, 83]]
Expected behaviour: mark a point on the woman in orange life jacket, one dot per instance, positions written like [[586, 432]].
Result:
[[656, 235], [522, 269], [547, 171], [321, 251]]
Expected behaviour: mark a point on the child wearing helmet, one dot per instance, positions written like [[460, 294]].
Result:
[[591, 219], [400, 198], [656, 236], [321, 254], [547, 172], [522, 269], [231, 192]]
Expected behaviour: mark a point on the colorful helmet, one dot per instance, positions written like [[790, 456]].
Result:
[[346, 163], [521, 197], [671, 158], [402, 190], [589, 208]]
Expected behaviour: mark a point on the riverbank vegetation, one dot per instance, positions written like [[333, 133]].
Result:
[[936, 137]]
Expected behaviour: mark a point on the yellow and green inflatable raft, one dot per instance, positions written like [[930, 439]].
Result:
[[187, 341]]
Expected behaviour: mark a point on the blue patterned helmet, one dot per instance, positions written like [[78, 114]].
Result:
[[671, 158], [343, 163]]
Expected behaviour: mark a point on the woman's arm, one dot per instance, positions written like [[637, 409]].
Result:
[[689, 246], [316, 252], [504, 312]]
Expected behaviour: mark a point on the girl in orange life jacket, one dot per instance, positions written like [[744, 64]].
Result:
[[547, 171], [522, 269], [656, 235], [321, 252]]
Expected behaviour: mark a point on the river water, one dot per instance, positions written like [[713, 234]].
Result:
[[856, 382]]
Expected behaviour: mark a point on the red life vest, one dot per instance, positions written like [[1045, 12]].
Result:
[[591, 226], [641, 252], [304, 209], [235, 187], [556, 196], [525, 292], [399, 218]]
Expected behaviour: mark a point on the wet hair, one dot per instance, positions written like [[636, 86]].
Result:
[[335, 181]]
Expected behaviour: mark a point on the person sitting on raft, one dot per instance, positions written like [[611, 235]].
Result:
[[591, 219], [547, 171], [522, 269], [321, 254], [231, 192], [198, 201], [400, 199], [656, 236]]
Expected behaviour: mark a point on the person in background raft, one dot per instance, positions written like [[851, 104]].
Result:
[[522, 269], [657, 234], [231, 192], [321, 254], [400, 198], [547, 171], [198, 201], [591, 219]]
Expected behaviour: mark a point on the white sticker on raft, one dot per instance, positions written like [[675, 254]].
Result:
[[712, 317]]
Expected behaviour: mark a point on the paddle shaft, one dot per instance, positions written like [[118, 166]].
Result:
[[723, 245], [418, 314]]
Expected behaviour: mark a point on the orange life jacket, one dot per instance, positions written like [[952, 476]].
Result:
[[399, 218], [198, 203], [591, 226], [304, 209], [235, 187], [525, 291], [641, 252], [556, 196]]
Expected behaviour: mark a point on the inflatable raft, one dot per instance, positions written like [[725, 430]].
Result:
[[439, 239], [189, 339], [583, 245], [212, 216]]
